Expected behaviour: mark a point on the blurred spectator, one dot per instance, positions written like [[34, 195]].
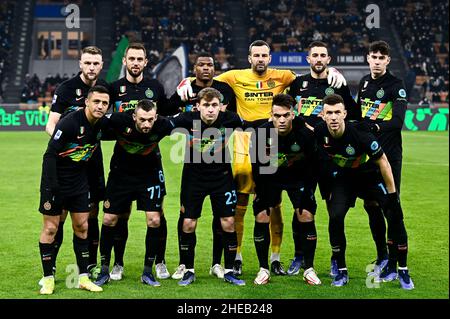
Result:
[[423, 30], [163, 25], [6, 26]]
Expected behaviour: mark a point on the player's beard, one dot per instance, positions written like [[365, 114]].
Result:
[[143, 130], [133, 73], [318, 71], [260, 68]]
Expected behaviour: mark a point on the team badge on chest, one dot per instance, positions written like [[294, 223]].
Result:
[[350, 150], [295, 147], [380, 93], [149, 93]]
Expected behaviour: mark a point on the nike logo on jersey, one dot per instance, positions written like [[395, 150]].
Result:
[[301, 90], [122, 94], [80, 137], [79, 98], [363, 90]]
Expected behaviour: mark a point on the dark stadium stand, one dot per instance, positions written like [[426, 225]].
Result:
[[163, 25], [292, 24], [6, 19], [420, 45], [423, 30]]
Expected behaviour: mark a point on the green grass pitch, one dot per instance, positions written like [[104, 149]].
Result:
[[424, 197]]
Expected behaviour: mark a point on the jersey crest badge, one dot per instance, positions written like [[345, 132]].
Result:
[[329, 91], [350, 150], [380, 93], [271, 83], [365, 84], [305, 84], [295, 147], [78, 92], [81, 130], [149, 93], [122, 89]]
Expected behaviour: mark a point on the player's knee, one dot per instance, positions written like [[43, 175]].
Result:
[[153, 220], [189, 225], [227, 224], [80, 228], [305, 217], [262, 217], [110, 219], [49, 230]]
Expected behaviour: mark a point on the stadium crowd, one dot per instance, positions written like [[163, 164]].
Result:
[[163, 26], [6, 19], [289, 27], [423, 30]]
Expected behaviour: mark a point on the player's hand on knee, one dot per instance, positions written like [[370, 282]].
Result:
[[335, 78], [184, 89]]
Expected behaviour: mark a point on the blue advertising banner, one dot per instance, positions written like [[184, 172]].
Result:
[[289, 59]]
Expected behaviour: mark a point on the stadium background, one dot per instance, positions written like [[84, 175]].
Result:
[[39, 48]]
